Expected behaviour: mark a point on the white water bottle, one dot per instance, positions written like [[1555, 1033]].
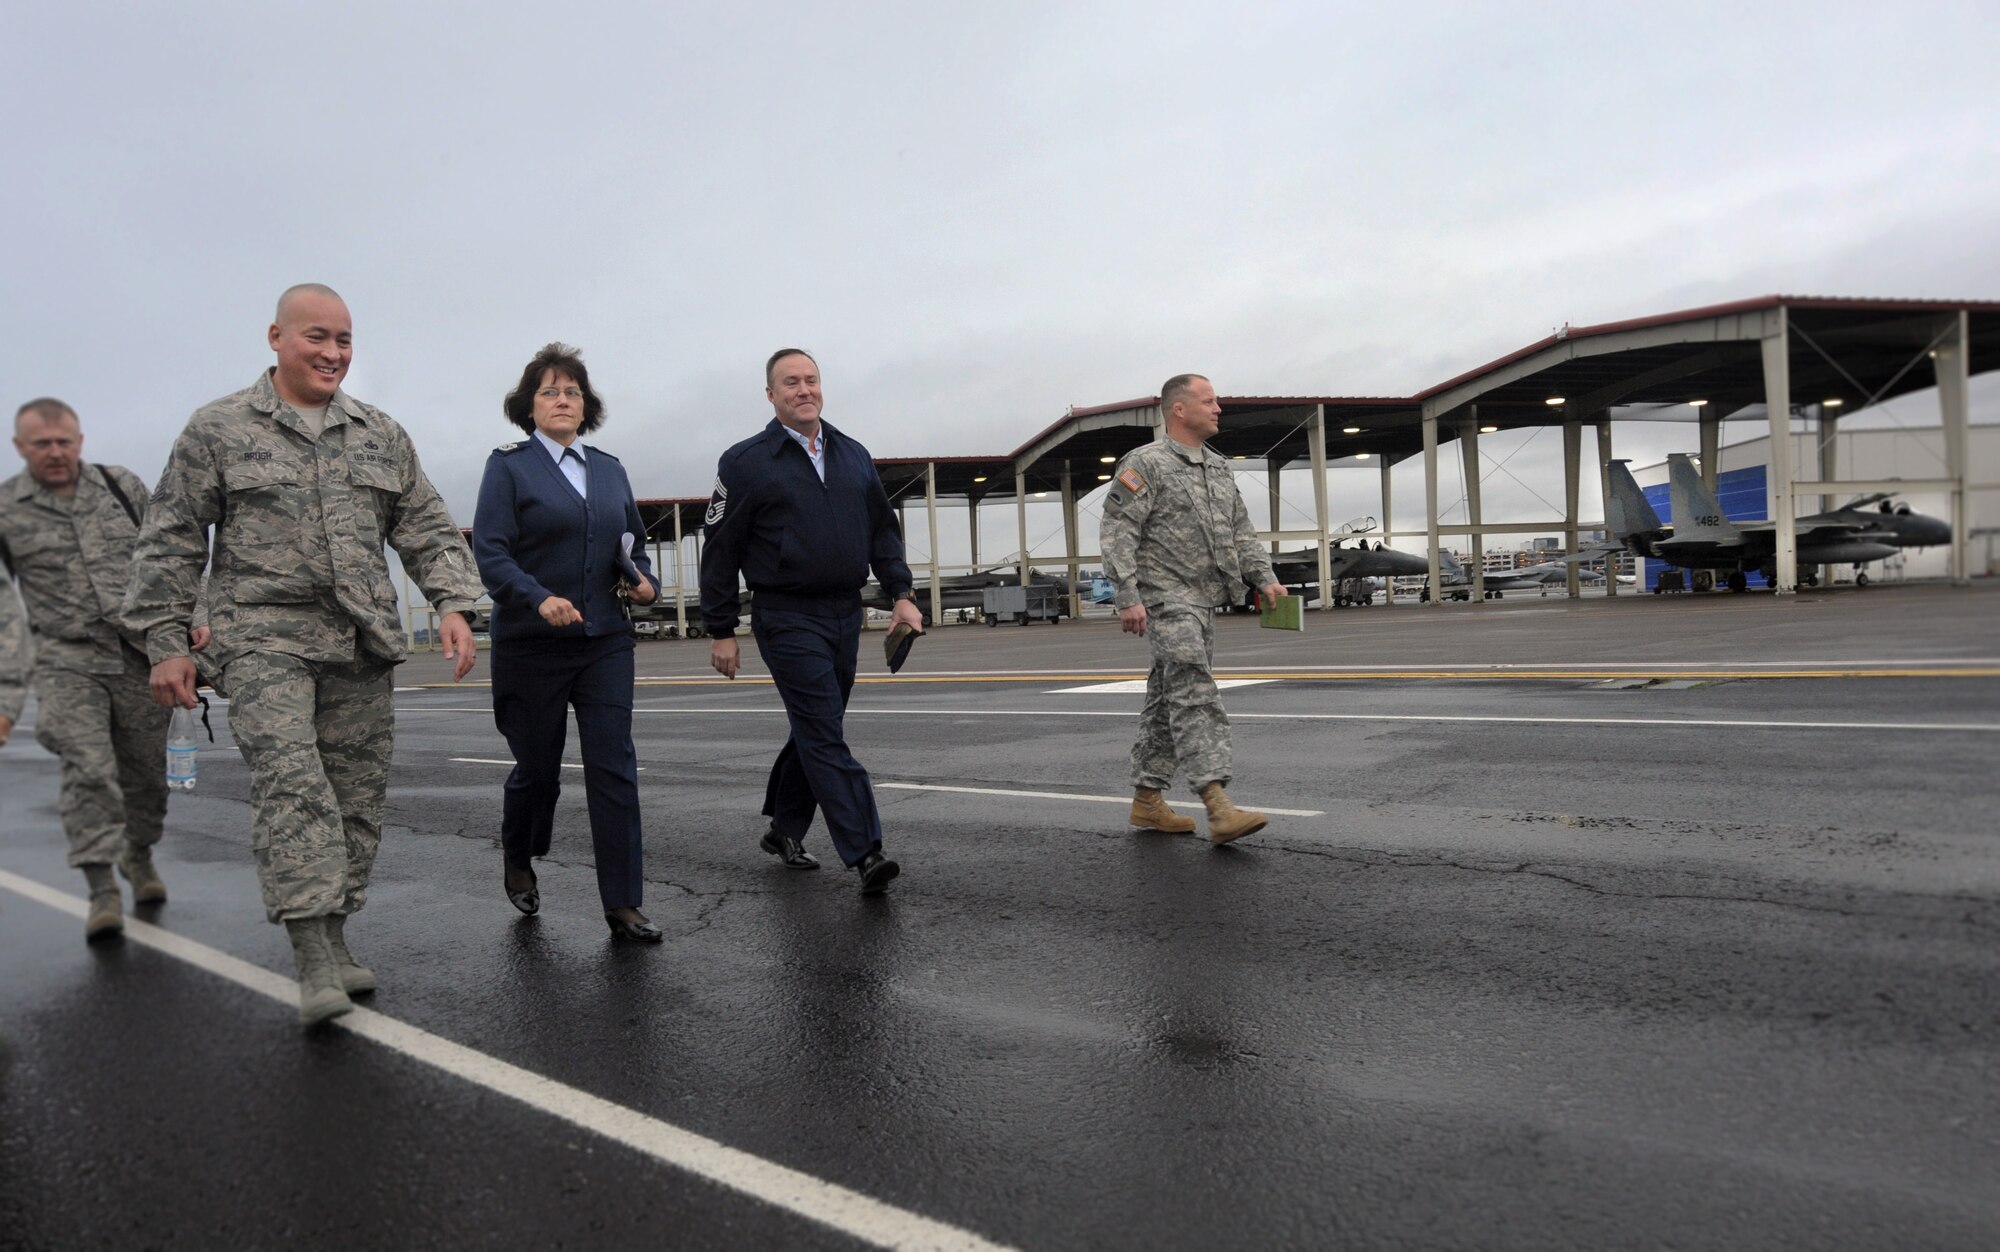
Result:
[[180, 751]]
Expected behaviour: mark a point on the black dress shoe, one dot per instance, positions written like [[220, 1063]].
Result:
[[876, 870], [790, 853], [527, 899], [637, 932]]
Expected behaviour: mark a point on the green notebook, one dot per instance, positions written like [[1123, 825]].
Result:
[[1285, 613]]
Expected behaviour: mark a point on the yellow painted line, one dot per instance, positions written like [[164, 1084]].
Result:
[[1482, 675]]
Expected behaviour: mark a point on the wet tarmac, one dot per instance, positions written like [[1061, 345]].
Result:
[[1573, 944]]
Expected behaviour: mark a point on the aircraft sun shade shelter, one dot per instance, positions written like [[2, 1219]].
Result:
[[1778, 356], [1782, 354]]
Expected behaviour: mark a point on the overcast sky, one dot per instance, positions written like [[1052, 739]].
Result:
[[973, 215]]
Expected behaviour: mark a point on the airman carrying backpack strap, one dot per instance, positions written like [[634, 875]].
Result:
[[118, 491]]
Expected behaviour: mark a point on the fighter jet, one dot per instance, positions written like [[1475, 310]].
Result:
[[1703, 538], [1351, 569], [1541, 577], [1897, 523]]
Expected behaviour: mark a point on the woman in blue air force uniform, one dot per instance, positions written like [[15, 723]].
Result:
[[548, 537]]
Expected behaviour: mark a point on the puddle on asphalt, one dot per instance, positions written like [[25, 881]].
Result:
[[1657, 684]]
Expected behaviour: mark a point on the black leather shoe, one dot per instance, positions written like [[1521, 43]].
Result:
[[876, 870], [641, 931], [528, 899], [790, 853]]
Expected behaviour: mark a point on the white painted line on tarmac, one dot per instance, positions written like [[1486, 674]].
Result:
[[487, 760], [1071, 795], [1501, 667], [1137, 686], [1502, 718], [850, 1212]]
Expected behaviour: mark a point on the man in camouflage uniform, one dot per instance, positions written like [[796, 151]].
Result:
[[66, 532], [1177, 541], [13, 660], [303, 484]]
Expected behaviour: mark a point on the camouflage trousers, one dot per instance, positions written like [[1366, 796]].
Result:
[[1182, 726], [317, 736], [112, 740]]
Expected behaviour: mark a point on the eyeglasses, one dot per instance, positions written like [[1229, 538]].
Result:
[[563, 393]]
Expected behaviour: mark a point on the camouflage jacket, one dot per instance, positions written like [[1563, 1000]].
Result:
[[1175, 530], [13, 652], [300, 521], [73, 556]]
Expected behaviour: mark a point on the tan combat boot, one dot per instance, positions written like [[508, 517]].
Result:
[[1150, 812], [355, 978], [1226, 822], [106, 919], [137, 866], [320, 993]]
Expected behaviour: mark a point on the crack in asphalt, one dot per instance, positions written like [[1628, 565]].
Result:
[[1391, 860]]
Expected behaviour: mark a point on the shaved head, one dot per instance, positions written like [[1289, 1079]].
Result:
[[1177, 387], [48, 408], [314, 340], [292, 294]]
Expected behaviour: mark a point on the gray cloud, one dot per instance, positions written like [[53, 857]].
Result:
[[974, 218]]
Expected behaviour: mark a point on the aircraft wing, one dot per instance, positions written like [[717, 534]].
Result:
[[1805, 525], [1592, 552]]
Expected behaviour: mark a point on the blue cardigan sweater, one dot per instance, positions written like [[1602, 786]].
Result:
[[535, 537]]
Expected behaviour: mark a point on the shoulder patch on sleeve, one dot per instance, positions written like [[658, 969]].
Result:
[[718, 504], [1131, 480]]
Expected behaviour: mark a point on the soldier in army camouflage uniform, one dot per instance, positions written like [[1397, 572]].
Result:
[[304, 484], [66, 531], [1177, 541]]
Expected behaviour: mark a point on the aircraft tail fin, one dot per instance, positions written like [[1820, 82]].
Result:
[[1628, 512], [1697, 515], [1448, 567]]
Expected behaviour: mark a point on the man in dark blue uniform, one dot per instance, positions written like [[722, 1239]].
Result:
[[799, 511]]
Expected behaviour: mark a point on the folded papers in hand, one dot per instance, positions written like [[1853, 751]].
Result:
[[625, 564]]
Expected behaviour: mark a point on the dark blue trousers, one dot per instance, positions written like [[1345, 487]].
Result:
[[812, 661], [535, 684]]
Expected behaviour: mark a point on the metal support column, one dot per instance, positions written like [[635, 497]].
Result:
[[680, 581], [930, 510], [1711, 450], [1021, 519], [1778, 402], [1572, 491], [972, 528], [1070, 538], [1316, 451], [1604, 488], [1829, 465], [1273, 470], [1431, 506], [1954, 378], [1388, 525], [1468, 446]]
